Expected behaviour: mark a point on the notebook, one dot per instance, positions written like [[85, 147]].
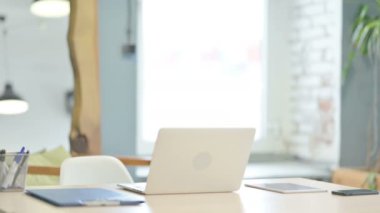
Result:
[[285, 187], [188, 160], [84, 197]]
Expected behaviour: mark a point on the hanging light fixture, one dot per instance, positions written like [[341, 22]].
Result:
[[10, 102], [129, 49], [50, 8]]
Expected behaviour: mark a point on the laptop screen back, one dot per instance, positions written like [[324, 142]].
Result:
[[199, 160]]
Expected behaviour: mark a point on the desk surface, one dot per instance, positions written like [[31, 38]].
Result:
[[244, 200]]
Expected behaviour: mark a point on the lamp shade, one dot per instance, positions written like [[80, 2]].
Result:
[[50, 8], [10, 103]]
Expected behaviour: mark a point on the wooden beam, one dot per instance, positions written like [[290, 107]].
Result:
[[85, 133]]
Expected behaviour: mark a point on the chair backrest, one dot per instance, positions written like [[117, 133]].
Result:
[[93, 170]]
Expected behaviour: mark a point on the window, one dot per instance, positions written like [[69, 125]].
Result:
[[200, 65]]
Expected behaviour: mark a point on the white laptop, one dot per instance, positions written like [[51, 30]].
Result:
[[197, 161]]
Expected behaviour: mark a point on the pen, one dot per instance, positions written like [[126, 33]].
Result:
[[20, 167], [12, 169]]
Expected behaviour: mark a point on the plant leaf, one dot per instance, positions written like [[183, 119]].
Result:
[[365, 41], [347, 66], [359, 20], [371, 37], [362, 39], [372, 45]]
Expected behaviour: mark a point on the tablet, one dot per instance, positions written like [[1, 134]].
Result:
[[285, 187]]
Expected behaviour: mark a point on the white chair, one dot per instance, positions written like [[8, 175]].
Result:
[[98, 169]]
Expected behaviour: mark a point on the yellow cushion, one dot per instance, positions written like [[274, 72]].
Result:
[[53, 158]]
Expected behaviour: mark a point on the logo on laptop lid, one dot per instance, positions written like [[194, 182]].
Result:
[[202, 160]]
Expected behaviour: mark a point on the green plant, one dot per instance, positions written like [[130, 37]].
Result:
[[370, 181], [365, 40], [365, 36]]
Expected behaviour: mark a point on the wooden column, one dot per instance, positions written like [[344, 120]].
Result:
[[85, 135]]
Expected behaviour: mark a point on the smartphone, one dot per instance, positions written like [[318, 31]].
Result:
[[353, 192]]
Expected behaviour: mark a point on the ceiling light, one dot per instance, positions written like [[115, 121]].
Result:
[[11, 103], [50, 8]]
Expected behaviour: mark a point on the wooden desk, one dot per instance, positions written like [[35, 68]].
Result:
[[244, 200]]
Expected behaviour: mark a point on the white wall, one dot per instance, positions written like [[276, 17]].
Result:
[[304, 77], [41, 73], [315, 78]]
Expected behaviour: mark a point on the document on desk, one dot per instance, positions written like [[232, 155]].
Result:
[[84, 197], [285, 187]]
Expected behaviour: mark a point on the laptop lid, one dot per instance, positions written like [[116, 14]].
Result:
[[199, 160]]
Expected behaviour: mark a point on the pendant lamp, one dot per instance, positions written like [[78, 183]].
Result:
[[50, 8], [10, 102], [129, 49]]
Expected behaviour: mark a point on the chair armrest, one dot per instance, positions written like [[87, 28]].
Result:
[[43, 170], [134, 161], [55, 171]]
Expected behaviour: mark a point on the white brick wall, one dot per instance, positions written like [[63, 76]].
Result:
[[313, 62]]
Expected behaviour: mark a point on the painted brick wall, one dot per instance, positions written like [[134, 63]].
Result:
[[314, 79]]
